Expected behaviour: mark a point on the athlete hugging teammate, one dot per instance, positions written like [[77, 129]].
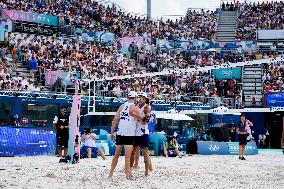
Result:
[[142, 135], [126, 118]]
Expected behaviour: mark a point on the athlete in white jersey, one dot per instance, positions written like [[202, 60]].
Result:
[[142, 135], [126, 118]]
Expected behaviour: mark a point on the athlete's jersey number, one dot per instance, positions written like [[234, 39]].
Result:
[[124, 115]]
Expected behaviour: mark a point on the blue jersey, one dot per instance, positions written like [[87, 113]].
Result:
[[152, 123]]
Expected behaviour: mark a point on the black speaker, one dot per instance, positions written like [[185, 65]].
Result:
[[191, 147]]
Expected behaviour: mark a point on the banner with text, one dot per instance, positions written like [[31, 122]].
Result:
[[227, 73], [274, 99], [16, 141], [30, 17], [209, 148], [25, 27], [251, 148], [224, 148]]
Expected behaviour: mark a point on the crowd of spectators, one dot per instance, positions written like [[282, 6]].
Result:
[[199, 87], [199, 25], [50, 53], [16, 83], [273, 77], [257, 15], [229, 6], [93, 15], [43, 53], [160, 59], [71, 54]]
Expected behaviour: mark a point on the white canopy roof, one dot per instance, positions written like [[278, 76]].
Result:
[[174, 115]]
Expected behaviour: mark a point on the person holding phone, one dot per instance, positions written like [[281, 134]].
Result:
[[89, 143]]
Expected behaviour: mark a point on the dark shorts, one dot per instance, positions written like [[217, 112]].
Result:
[[94, 149], [125, 140], [242, 139], [62, 139], [142, 141]]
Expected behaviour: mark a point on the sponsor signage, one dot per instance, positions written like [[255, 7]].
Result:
[[24, 27], [30, 17], [209, 148], [16, 141], [224, 148], [251, 148], [274, 100], [227, 73]]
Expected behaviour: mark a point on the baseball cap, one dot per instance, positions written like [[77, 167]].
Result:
[[132, 94], [143, 94]]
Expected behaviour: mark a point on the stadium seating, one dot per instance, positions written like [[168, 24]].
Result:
[[184, 43]]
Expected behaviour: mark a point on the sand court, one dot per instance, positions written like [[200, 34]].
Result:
[[214, 171]]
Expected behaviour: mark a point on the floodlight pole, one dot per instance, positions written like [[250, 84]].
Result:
[[149, 9]]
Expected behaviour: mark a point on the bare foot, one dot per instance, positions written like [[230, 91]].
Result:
[[147, 174], [150, 166], [110, 175], [129, 177], [136, 167]]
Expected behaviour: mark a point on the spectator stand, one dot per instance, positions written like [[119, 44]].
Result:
[[270, 40], [173, 40], [252, 16]]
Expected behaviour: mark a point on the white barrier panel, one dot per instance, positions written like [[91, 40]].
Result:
[[212, 111], [270, 34]]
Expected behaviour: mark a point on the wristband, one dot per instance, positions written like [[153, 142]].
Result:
[[146, 119]]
